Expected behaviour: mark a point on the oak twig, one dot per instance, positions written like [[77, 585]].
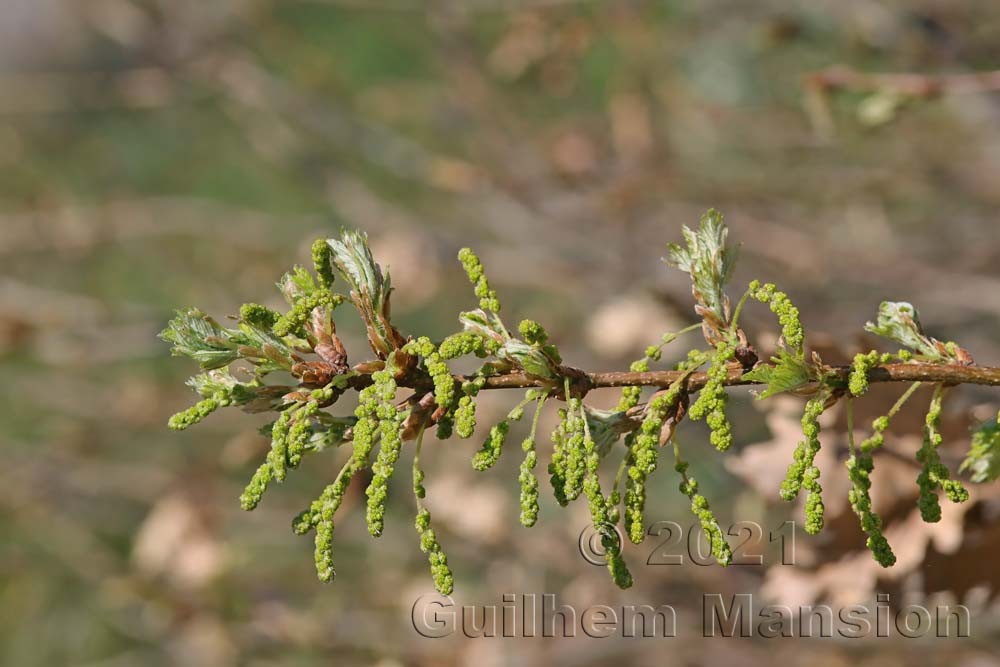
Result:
[[840, 77]]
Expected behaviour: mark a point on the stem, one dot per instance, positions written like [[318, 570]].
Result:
[[416, 462], [583, 381], [677, 334], [898, 405], [538, 414], [739, 309]]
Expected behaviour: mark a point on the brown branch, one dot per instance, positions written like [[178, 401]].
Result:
[[840, 77], [912, 372], [583, 382]]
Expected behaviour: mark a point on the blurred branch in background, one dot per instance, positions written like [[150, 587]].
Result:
[[888, 91]]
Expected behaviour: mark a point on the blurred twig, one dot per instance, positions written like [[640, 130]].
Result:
[[840, 77]]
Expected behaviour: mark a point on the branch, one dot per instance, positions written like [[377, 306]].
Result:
[[582, 382], [840, 77]]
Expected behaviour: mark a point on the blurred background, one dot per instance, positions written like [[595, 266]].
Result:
[[157, 154]]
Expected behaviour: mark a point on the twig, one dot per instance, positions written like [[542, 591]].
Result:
[[840, 77], [582, 381]]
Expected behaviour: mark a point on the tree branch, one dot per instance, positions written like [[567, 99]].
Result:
[[582, 382], [839, 77], [913, 372]]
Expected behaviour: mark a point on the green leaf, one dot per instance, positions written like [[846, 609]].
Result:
[[983, 459], [478, 321], [710, 263], [785, 373], [370, 289], [606, 427], [354, 261], [252, 396], [194, 334], [899, 321], [531, 359]]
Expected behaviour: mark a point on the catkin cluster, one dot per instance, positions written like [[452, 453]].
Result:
[[709, 524], [711, 402], [526, 476], [934, 475], [792, 332], [488, 300], [859, 468], [802, 472], [642, 455]]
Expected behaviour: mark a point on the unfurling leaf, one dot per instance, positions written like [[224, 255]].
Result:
[[983, 459], [899, 321], [787, 373], [710, 263], [194, 334], [370, 289]]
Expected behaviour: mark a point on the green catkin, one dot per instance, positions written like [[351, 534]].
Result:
[[259, 482], [273, 467], [488, 300], [462, 344], [701, 509], [598, 506], [557, 465], [465, 417], [526, 477], [859, 468], [631, 395], [574, 451], [294, 320], [486, 457], [321, 255], [460, 418], [862, 364], [643, 452], [444, 382], [320, 515], [802, 472], [197, 412], [711, 402], [324, 551], [366, 431], [814, 500], [390, 420], [792, 332], [445, 426], [934, 475], [300, 432], [533, 333], [258, 316], [444, 581]]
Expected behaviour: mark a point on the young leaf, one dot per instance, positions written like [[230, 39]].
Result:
[[710, 263], [194, 334], [983, 458], [787, 373], [899, 321], [370, 289]]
